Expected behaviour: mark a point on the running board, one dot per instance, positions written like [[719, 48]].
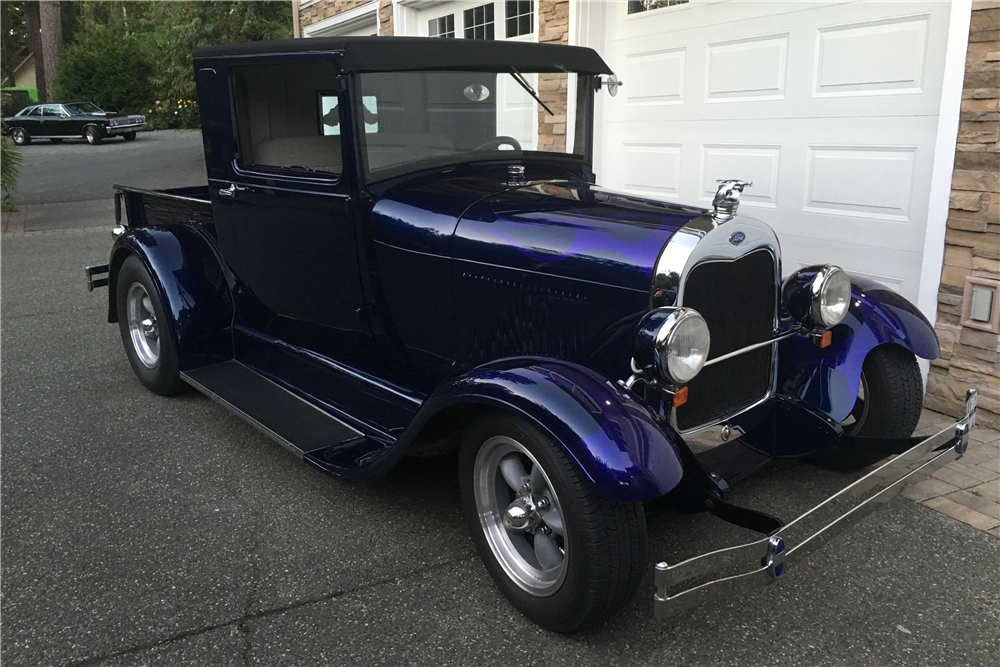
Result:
[[297, 425]]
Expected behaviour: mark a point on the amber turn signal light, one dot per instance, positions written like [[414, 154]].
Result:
[[826, 339], [680, 397]]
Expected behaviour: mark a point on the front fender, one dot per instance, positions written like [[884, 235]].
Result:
[[828, 379], [192, 285], [627, 452]]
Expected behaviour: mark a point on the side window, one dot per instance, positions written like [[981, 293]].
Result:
[[330, 113], [287, 118], [37, 111]]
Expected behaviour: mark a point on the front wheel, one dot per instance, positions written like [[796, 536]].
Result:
[[20, 136], [93, 135], [129, 136], [890, 396], [563, 556], [144, 330]]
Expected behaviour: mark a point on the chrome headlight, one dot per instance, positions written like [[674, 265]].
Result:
[[673, 341], [817, 296]]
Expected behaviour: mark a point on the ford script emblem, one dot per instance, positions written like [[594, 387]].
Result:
[[737, 238]]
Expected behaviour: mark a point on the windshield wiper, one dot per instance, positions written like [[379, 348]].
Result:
[[527, 86]]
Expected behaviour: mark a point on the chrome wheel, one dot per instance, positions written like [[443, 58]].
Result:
[[520, 516], [19, 136], [142, 325]]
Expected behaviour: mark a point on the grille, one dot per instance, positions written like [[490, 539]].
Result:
[[738, 300]]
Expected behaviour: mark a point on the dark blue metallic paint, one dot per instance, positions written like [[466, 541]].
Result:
[[829, 378], [627, 452], [193, 287]]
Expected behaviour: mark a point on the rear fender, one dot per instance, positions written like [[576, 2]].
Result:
[[626, 451], [828, 378], [193, 287]]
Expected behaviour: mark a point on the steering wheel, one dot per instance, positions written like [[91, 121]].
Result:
[[496, 143]]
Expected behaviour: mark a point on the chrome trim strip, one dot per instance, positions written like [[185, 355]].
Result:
[[162, 195], [749, 348], [880, 485]]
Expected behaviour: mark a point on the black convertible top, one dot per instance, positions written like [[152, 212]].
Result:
[[398, 54]]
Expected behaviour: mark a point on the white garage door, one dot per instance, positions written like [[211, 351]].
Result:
[[830, 109]]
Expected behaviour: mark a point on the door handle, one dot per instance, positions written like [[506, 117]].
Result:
[[230, 191]]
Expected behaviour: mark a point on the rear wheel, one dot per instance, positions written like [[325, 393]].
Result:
[[129, 136], [563, 556], [93, 135], [20, 136], [890, 396], [144, 330]]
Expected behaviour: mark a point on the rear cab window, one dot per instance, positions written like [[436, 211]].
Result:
[[288, 119]]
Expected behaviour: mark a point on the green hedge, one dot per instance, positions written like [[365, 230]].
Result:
[[108, 69]]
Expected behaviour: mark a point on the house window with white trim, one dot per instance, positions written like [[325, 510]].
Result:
[[520, 17], [636, 6], [479, 22], [443, 26]]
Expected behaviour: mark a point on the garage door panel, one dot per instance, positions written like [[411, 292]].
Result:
[[652, 169], [874, 182], [747, 69], [656, 78], [896, 269], [758, 164], [896, 55], [801, 64], [867, 185], [831, 110]]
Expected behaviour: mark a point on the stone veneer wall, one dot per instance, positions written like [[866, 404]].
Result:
[[324, 9], [385, 17], [971, 357], [553, 28]]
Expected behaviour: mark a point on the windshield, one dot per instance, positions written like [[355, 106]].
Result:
[[82, 107], [416, 120]]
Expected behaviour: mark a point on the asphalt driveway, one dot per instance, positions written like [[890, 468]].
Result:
[[141, 530]]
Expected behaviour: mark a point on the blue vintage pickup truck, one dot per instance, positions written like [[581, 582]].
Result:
[[401, 250]]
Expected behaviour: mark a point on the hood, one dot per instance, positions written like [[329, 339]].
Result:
[[571, 230]]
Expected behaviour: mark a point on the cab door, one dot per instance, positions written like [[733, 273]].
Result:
[[293, 213]]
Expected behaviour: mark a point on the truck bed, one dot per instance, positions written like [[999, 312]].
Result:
[[145, 208]]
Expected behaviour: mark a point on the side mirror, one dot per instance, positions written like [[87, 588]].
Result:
[[611, 82]]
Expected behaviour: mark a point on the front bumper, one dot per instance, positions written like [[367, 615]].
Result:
[[122, 129], [719, 574]]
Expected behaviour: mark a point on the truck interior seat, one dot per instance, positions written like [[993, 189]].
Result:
[[320, 153]]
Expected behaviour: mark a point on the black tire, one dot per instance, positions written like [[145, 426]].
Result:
[[602, 544], [129, 136], [93, 134], [56, 141], [159, 374], [891, 395], [20, 136]]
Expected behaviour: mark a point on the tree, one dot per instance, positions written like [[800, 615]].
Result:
[[13, 37], [175, 29], [50, 24], [34, 38]]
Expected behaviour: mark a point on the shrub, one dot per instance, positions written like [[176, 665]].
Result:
[[10, 163], [106, 67], [167, 115]]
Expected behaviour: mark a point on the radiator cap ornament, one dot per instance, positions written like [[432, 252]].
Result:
[[727, 199]]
